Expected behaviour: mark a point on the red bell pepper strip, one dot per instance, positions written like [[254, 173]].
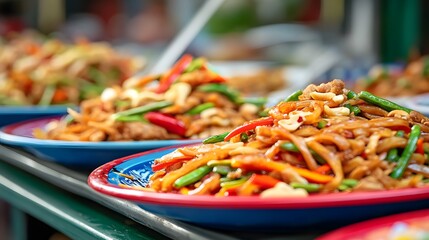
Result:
[[263, 181], [420, 149], [168, 78], [249, 126], [313, 176], [262, 164], [60, 95], [216, 78], [167, 163], [324, 169], [171, 124]]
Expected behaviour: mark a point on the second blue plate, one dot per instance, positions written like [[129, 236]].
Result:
[[13, 114], [78, 154]]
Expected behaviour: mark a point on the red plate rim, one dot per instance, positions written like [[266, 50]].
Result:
[[98, 181], [357, 229]]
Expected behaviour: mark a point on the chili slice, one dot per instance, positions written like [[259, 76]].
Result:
[[167, 163], [171, 124], [168, 79], [249, 126]]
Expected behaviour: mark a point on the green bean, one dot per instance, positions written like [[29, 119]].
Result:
[[411, 146], [97, 75], [392, 154], [351, 95], [294, 96], [233, 183], [343, 187], [264, 113], [222, 169], [143, 109], [226, 162], [122, 103], [322, 124], [47, 95], [131, 118], [244, 137], [194, 65], [400, 133], [192, 177], [215, 138], [225, 179], [350, 182], [231, 94], [381, 102], [198, 109], [91, 90], [353, 109], [259, 101], [290, 147], [309, 187]]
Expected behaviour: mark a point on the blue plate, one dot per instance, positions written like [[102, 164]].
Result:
[[315, 212], [78, 154], [13, 114], [419, 103]]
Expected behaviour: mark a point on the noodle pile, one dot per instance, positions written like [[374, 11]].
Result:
[[412, 80], [323, 139], [188, 101], [35, 71]]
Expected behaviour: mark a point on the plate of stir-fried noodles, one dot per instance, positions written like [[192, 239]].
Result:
[[77, 154], [40, 77], [325, 156], [405, 84], [410, 225], [396, 80], [183, 105]]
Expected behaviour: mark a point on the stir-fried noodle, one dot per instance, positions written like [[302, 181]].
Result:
[[188, 101], [323, 139]]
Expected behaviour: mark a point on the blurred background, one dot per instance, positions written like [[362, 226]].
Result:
[[345, 33], [316, 40], [350, 33], [281, 31]]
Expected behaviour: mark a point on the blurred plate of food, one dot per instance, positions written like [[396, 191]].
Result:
[[49, 74], [189, 101], [406, 84], [411, 225], [253, 78], [80, 154], [419, 103], [322, 158]]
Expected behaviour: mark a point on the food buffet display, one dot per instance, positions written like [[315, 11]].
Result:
[[322, 146], [325, 139]]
